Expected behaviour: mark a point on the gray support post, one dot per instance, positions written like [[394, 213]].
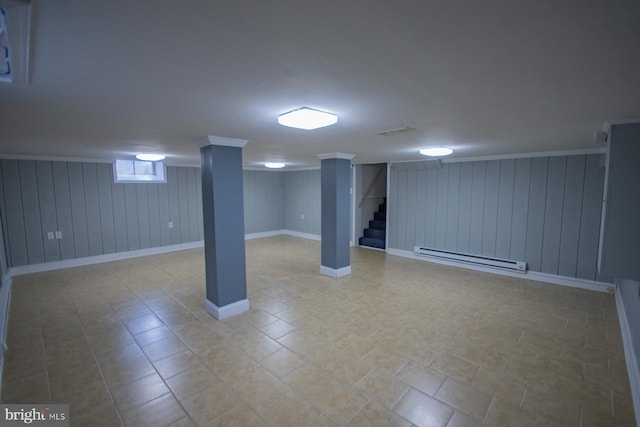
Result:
[[223, 220], [335, 183]]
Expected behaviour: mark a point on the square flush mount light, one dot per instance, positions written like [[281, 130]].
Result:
[[307, 118]]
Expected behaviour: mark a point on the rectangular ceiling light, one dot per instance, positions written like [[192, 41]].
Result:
[[307, 118]]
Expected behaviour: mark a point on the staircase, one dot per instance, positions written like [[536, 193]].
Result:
[[375, 236]]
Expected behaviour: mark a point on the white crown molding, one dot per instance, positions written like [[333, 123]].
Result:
[[345, 156], [599, 150], [220, 140]]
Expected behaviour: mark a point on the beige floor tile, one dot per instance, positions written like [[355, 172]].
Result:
[[177, 363], [282, 362], [377, 415], [138, 392], [462, 420], [122, 373], [533, 375], [308, 378], [291, 410], [239, 416], [191, 382], [260, 390], [184, 422], [422, 410], [277, 329], [152, 335], [210, 404], [162, 348], [32, 389], [390, 362], [422, 378], [464, 398], [455, 367], [382, 387], [101, 329], [503, 413], [163, 411], [500, 385], [339, 402], [543, 403]]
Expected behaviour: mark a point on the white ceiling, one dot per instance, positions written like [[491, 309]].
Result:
[[112, 78]]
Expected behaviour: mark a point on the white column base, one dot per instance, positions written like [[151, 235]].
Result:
[[228, 310], [335, 273]]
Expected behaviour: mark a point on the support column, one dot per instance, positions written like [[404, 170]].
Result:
[[335, 183], [223, 218]]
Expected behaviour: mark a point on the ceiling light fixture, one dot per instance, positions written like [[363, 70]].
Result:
[[274, 165], [307, 118], [436, 151], [147, 157]]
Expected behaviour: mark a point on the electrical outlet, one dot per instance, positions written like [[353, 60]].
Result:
[[58, 234], [50, 235], [301, 216], [170, 224]]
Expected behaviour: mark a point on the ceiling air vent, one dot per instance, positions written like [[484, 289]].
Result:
[[396, 131]]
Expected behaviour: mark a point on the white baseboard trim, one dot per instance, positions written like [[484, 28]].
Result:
[[530, 275], [117, 256], [271, 233], [228, 310], [335, 273], [303, 235], [630, 356]]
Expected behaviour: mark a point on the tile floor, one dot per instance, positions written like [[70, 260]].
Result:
[[399, 342]]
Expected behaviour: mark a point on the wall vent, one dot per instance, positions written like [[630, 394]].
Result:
[[392, 132], [472, 259]]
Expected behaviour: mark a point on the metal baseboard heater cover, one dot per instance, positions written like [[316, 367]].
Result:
[[472, 259]]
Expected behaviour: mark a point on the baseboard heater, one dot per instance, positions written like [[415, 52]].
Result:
[[472, 259]]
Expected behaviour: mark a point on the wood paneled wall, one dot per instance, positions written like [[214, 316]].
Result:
[[543, 210]]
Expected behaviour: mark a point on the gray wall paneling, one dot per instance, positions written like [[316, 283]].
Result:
[[464, 207], [520, 210], [92, 206], [95, 215], [490, 224], [553, 215], [505, 208], [105, 198], [31, 211], [263, 201], [155, 238], [48, 212], [453, 211], [302, 196], [542, 210], [78, 210], [572, 209], [119, 216], [142, 200], [17, 243], [590, 218]]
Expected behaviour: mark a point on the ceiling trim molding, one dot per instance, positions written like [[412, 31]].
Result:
[[600, 150], [345, 156], [220, 140]]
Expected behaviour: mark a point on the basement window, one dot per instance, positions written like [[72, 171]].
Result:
[[131, 171]]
